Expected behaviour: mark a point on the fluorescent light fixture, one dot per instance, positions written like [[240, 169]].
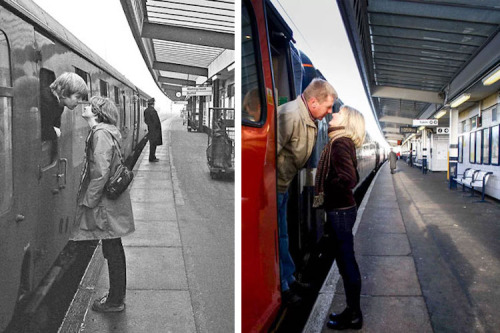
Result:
[[421, 128], [440, 114], [230, 67], [492, 77], [460, 100], [214, 77]]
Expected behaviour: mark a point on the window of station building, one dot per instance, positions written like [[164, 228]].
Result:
[[253, 108], [6, 187], [86, 77], [463, 126], [103, 86], [117, 96], [486, 146], [472, 148], [495, 135], [479, 145], [473, 123], [494, 115], [461, 149]]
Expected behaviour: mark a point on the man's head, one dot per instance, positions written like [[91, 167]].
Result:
[[320, 96], [70, 88], [151, 102]]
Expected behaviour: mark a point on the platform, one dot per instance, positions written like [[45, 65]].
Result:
[[428, 258], [158, 297]]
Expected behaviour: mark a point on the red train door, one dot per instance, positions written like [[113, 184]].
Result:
[[260, 265]]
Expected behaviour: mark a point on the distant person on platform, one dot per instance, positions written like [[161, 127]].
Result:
[[392, 160], [154, 129], [297, 132]]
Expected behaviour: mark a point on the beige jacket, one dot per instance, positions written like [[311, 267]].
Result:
[[98, 217], [296, 139]]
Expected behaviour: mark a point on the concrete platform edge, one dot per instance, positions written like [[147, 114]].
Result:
[[327, 292]]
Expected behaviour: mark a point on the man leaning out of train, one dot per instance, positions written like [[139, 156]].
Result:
[[297, 132], [66, 91], [336, 178], [97, 216]]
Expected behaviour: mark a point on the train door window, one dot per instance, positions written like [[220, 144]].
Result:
[[117, 96], [86, 77], [50, 117], [253, 108], [479, 145], [495, 135], [461, 149], [486, 146], [472, 147], [6, 187], [103, 86]]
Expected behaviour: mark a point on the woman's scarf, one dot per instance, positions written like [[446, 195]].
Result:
[[85, 168], [324, 165]]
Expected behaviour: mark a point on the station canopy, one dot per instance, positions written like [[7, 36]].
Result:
[[416, 57], [182, 40]]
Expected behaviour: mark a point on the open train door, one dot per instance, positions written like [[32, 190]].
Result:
[[56, 201]]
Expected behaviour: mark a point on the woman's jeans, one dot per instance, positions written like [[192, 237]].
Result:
[[112, 250], [342, 222], [287, 266]]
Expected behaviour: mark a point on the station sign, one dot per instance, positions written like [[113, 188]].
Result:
[[425, 122], [443, 130], [197, 91], [181, 102], [407, 129]]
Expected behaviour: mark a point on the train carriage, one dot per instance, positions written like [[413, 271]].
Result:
[[275, 72], [38, 176]]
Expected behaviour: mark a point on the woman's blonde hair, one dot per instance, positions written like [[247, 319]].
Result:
[[104, 109], [354, 124]]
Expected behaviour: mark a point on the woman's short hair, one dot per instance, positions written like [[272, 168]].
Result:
[[105, 110], [68, 84], [354, 124], [320, 89]]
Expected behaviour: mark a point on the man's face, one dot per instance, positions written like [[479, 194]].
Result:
[[72, 101], [320, 110]]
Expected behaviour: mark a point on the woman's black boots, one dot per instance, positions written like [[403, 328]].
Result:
[[348, 319]]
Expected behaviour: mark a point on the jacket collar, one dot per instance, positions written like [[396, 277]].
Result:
[[304, 112]]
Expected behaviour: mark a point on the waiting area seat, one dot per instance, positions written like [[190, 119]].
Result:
[[475, 180]]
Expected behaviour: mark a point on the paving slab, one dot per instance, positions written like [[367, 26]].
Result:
[[148, 311], [156, 211], [154, 233]]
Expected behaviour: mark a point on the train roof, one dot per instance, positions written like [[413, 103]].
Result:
[[39, 17]]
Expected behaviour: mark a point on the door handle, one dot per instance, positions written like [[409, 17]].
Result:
[[19, 218], [62, 172]]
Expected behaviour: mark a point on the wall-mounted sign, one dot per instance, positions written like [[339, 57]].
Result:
[[407, 129], [425, 122], [443, 130], [197, 91], [181, 102]]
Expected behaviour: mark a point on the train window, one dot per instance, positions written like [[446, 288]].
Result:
[[103, 86], [486, 146], [4, 61], [253, 109], [6, 187], [124, 115], [472, 147], [461, 149], [50, 117], [495, 135], [479, 142], [86, 77], [117, 96], [230, 95]]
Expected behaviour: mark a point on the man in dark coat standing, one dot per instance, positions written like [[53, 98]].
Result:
[[154, 129]]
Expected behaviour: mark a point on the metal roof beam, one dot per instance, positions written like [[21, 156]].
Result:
[[188, 35], [178, 68], [407, 94], [164, 79], [396, 120]]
